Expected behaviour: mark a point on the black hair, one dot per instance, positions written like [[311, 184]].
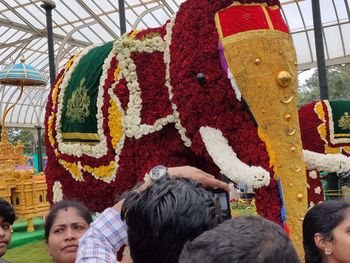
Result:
[[163, 217], [7, 211], [64, 204], [241, 240], [322, 219]]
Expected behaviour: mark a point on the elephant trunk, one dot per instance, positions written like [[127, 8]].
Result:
[[263, 65]]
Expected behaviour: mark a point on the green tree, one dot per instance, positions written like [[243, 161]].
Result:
[[338, 85], [24, 135]]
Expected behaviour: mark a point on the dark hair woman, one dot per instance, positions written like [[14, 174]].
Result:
[[65, 224], [326, 233]]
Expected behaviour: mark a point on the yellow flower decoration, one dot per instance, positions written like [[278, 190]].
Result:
[[50, 132], [70, 62], [133, 33], [332, 150], [116, 73], [102, 171], [269, 150], [73, 168], [55, 91], [318, 108], [115, 123], [322, 130]]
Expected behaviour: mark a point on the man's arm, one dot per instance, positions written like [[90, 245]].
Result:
[[108, 233], [104, 238]]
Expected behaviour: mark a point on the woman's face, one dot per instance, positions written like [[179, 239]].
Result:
[[340, 244], [64, 235], [5, 235]]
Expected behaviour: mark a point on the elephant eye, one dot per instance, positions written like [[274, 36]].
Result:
[[201, 78]]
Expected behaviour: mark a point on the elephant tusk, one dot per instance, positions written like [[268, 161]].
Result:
[[228, 162], [326, 162], [287, 100]]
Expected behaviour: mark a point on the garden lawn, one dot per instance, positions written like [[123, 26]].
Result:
[[30, 253]]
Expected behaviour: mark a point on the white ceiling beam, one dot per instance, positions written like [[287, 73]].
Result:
[[42, 33], [329, 62]]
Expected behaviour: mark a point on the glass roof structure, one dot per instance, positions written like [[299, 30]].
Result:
[[80, 23]]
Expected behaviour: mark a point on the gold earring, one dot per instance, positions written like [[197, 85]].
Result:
[[327, 251]]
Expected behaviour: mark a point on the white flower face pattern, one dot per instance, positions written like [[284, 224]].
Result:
[[313, 174], [318, 190], [57, 192]]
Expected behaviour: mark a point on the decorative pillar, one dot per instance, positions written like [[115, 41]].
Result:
[[122, 17], [48, 6], [40, 151], [321, 63]]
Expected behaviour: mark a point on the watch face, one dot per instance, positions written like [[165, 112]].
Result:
[[158, 172]]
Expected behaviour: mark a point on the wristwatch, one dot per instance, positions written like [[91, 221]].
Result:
[[158, 172]]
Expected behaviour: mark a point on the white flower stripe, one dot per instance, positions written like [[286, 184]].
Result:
[[57, 192], [167, 58], [234, 84]]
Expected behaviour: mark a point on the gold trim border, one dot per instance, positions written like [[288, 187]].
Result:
[[267, 17], [254, 34], [78, 135]]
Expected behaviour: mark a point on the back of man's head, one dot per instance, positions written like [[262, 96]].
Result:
[[162, 218], [243, 240]]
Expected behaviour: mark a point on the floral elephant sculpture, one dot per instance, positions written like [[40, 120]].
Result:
[[325, 133], [215, 88]]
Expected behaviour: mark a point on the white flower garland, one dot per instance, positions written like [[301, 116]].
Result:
[[326, 162], [167, 60], [234, 84], [57, 192], [132, 119], [226, 159]]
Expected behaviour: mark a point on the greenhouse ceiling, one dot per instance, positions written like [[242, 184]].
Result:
[[80, 23]]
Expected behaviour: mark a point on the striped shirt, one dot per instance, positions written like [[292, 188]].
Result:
[[103, 239]]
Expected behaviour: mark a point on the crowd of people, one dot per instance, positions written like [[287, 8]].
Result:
[[175, 219]]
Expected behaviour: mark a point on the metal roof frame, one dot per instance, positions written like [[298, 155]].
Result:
[[80, 23]]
